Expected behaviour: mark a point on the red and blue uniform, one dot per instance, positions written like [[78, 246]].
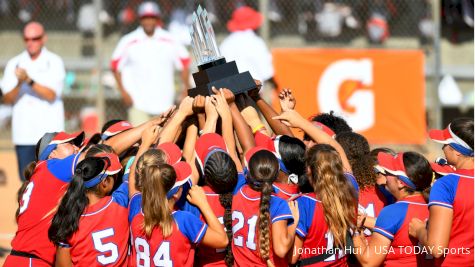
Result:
[[38, 205], [393, 223], [103, 233], [313, 230], [206, 256], [176, 250], [372, 200], [245, 228], [285, 191], [455, 191]]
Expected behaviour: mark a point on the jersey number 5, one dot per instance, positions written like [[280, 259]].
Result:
[[106, 248]]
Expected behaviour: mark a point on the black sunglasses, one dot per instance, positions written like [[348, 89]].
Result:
[[35, 39]]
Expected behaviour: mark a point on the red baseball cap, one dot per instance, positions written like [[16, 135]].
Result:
[[115, 129], [208, 144], [50, 141], [112, 166], [395, 166], [172, 151], [183, 178], [251, 152], [442, 169], [448, 137]]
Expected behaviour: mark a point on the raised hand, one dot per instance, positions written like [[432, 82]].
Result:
[[221, 105], [150, 135], [199, 104], [287, 100], [290, 118], [186, 106]]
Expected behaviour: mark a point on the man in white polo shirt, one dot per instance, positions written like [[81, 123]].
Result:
[[144, 62], [32, 83]]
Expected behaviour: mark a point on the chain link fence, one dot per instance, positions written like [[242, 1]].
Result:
[[72, 30]]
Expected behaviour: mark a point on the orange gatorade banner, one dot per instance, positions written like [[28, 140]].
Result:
[[381, 93]]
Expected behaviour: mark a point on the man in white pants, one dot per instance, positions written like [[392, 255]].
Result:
[[32, 83], [144, 62]]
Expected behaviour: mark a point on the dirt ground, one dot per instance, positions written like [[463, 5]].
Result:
[[8, 189]]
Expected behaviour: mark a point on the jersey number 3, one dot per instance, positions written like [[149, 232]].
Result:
[[25, 199]]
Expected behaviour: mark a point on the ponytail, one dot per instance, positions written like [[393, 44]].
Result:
[[66, 220], [263, 171], [226, 201], [338, 197], [264, 221], [159, 180]]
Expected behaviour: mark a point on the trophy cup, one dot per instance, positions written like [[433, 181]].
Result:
[[213, 70]]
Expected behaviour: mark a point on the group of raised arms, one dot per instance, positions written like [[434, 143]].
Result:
[[221, 180]]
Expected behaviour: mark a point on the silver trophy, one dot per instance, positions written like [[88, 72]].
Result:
[[213, 70]]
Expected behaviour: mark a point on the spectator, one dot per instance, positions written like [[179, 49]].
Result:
[[143, 64], [246, 47], [32, 83]]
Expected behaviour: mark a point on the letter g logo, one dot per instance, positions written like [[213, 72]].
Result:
[[343, 87]]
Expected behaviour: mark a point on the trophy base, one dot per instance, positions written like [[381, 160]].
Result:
[[221, 74]]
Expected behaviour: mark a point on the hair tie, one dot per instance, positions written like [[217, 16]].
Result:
[[294, 178]]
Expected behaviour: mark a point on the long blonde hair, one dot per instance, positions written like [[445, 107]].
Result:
[[151, 157], [159, 180], [338, 197]]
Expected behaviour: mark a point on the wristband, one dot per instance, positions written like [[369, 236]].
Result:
[[258, 128], [31, 82]]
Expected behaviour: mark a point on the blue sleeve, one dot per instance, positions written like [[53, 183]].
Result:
[[191, 209], [279, 210], [240, 182], [121, 195], [63, 169], [135, 205], [306, 211], [443, 191], [352, 180], [390, 220], [190, 226]]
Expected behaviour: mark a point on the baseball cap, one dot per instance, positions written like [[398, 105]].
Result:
[[115, 129], [183, 178], [395, 166], [448, 137], [172, 151], [112, 166], [148, 9], [251, 152], [50, 141], [442, 169], [208, 144]]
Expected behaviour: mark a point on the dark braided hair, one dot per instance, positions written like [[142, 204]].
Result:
[[263, 171], [220, 174]]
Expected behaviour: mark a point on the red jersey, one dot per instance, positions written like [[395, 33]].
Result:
[[313, 229], [206, 256], [393, 223], [285, 191], [176, 250], [455, 191], [245, 229], [38, 206], [103, 233]]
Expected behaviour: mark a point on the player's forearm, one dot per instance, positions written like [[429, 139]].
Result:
[[243, 132], [170, 130], [276, 125]]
